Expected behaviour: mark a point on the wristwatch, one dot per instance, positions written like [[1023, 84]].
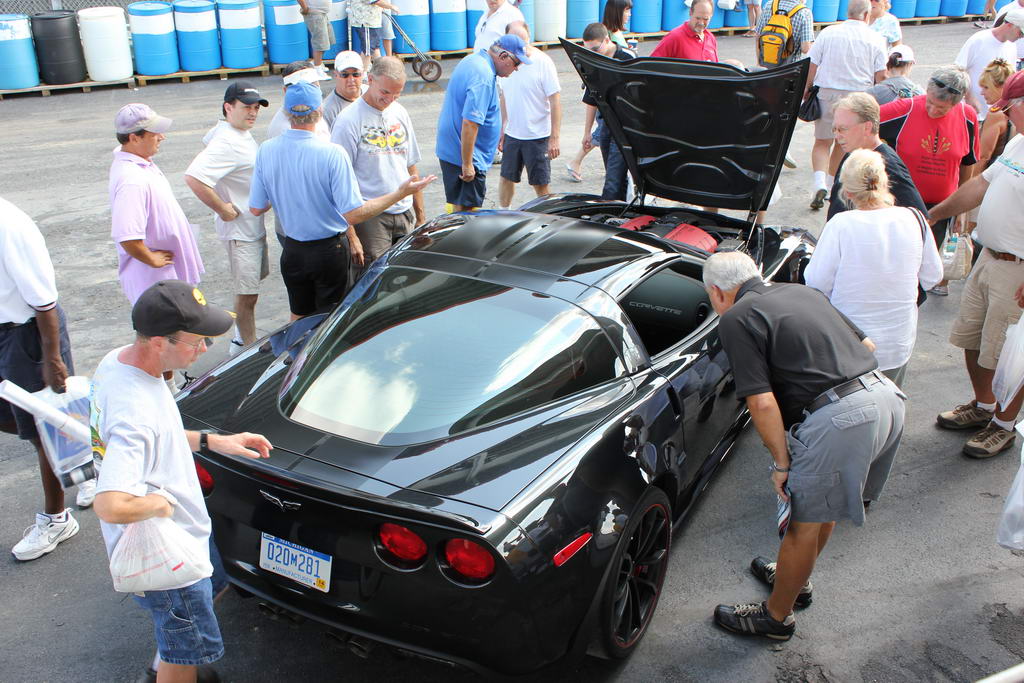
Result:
[[204, 440], [773, 468]]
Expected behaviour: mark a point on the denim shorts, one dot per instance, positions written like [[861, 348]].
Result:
[[185, 626]]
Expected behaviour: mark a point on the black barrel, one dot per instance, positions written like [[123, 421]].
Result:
[[58, 47]]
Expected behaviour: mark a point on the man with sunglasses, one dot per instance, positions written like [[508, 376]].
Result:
[[469, 126], [989, 303], [984, 46], [348, 86]]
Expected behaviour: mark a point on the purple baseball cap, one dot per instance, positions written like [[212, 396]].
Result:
[[132, 118]]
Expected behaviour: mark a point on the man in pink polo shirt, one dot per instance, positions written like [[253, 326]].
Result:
[[691, 40], [154, 239]]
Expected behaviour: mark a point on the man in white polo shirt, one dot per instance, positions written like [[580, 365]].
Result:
[[494, 23], [220, 176], [530, 134]]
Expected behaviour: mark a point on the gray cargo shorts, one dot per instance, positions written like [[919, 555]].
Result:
[[841, 454]]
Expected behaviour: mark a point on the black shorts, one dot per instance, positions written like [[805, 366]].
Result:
[[533, 154], [21, 361], [459, 193], [315, 273]]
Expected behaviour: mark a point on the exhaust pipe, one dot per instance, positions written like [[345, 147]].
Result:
[[361, 647], [278, 613]]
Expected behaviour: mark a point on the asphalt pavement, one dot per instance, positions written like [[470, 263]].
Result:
[[921, 592]]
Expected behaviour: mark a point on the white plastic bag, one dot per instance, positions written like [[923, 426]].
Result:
[[1010, 531], [156, 554], [957, 253], [1009, 377], [727, 5]]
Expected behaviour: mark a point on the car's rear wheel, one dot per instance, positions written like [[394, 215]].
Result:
[[637, 573]]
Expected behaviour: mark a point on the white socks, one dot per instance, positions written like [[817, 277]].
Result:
[[172, 385], [829, 181], [990, 407], [1005, 424], [819, 180]]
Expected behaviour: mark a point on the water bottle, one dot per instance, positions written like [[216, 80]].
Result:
[[951, 245]]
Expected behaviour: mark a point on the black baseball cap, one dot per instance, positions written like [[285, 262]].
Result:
[[244, 92], [171, 306]]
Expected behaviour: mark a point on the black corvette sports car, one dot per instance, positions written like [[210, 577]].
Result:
[[480, 454]]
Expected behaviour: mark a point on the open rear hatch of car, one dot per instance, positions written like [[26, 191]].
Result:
[[697, 132]]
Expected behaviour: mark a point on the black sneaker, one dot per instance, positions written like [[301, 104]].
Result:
[[764, 569], [754, 620], [818, 200], [204, 674]]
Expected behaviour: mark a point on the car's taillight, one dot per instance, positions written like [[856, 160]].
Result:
[[205, 479], [404, 544], [469, 560]]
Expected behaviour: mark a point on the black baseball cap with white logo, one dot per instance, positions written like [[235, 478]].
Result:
[[244, 92], [171, 306]]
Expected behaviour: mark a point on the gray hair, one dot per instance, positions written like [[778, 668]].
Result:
[[310, 118], [946, 77], [863, 106], [857, 8], [709, 3], [728, 270], [388, 67]]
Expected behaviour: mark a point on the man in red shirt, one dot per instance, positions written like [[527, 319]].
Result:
[[691, 40]]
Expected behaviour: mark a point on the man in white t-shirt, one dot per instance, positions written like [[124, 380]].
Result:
[[493, 23], [530, 128], [1001, 17], [220, 176], [989, 302], [984, 46], [145, 461], [377, 133]]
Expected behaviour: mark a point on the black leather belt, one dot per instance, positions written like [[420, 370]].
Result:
[[845, 389]]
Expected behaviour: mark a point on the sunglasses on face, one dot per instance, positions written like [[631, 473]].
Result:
[[515, 61], [949, 88], [350, 74]]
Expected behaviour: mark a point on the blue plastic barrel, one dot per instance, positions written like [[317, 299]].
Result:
[[287, 37], [579, 15], [927, 8], [1000, 3], [474, 10], [338, 16], [903, 9], [841, 14], [414, 18], [241, 33], [953, 8], [673, 13], [18, 66], [530, 14], [717, 18], [975, 7], [737, 18], [153, 39], [448, 25], [646, 16], [198, 43], [828, 10]]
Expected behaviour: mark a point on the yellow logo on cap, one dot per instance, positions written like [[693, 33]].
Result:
[[199, 296]]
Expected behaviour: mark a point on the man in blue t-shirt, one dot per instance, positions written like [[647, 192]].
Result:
[[470, 122], [310, 184]]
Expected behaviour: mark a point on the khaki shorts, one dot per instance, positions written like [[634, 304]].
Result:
[[987, 308], [828, 98], [380, 233], [321, 34], [249, 264]]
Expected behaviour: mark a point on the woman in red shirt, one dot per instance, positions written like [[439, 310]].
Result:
[[936, 136]]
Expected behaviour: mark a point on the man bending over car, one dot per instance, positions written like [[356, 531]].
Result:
[[144, 456]]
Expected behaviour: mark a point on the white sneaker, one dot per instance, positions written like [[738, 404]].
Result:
[[44, 535], [321, 71], [86, 493]]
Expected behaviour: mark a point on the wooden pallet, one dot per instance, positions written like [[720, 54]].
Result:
[[85, 86], [187, 76]]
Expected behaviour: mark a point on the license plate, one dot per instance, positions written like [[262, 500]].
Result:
[[295, 562]]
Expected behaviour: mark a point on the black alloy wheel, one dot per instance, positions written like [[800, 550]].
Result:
[[638, 572]]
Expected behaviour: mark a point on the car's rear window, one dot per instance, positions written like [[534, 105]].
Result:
[[421, 355]]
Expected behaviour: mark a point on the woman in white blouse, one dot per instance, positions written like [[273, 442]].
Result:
[[869, 262]]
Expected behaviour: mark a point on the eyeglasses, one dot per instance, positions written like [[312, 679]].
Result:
[[515, 61], [350, 74], [947, 87], [195, 345]]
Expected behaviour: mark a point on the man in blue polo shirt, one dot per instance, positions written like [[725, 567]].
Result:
[[310, 184], [470, 122]]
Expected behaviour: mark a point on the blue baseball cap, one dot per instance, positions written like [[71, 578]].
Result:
[[302, 98], [515, 46]]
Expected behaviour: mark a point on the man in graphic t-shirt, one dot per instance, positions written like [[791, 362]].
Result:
[[145, 462]]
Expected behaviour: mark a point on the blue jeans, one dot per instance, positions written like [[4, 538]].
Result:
[[614, 166], [184, 624]]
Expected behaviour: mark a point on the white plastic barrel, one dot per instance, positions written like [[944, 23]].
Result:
[[550, 18], [18, 66], [108, 55], [414, 18], [448, 25], [474, 10]]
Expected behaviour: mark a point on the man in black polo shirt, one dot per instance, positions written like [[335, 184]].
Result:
[[855, 125], [831, 422]]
